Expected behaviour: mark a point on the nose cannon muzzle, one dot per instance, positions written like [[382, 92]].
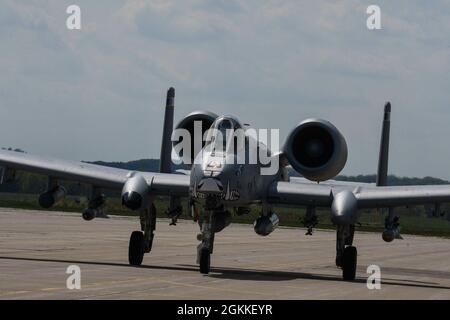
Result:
[[344, 208]]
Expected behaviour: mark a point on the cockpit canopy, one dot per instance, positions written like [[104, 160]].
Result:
[[223, 130], [227, 120]]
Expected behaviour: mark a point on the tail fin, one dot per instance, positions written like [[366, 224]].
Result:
[[165, 164], [383, 160], [392, 221]]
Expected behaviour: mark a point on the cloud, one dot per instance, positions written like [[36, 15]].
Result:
[[98, 93]]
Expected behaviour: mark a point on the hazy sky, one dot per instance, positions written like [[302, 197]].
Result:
[[98, 93]]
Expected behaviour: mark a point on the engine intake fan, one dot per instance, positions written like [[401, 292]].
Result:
[[316, 149]]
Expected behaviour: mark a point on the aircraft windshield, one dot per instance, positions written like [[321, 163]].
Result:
[[222, 133]]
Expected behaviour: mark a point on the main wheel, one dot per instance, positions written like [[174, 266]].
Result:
[[349, 263], [136, 248], [205, 260]]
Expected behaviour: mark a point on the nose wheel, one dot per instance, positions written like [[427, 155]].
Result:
[[349, 260], [205, 260], [346, 253], [141, 242], [136, 248]]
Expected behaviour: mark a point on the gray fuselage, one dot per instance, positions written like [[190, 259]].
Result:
[[229, 175]]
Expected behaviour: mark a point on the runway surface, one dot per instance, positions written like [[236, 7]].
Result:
[[36, 248]]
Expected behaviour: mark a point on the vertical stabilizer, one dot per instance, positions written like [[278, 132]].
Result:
[[383, 160], [165, 164], [392, 225]]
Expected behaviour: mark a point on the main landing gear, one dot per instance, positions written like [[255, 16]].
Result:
[[346, 253], [141, 241]]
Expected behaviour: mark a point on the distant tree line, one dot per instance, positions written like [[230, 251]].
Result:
[[32, 183], [16, 150]]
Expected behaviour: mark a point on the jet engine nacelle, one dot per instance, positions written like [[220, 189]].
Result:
[[135, 192], [200, 119], [266, 224], [50, 197], [316, 149]]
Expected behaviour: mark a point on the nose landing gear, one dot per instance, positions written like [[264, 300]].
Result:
[[205, 248], [208, 229]]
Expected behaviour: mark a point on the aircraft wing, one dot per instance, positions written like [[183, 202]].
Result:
[[96, 175], [367, 196], [396, 196]]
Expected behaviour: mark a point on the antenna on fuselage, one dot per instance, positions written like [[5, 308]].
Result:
[[165, 164], [383, 160]]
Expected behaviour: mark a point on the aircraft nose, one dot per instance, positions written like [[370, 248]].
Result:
[[210, 185]]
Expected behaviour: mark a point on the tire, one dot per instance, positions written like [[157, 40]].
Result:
[[349, 260], [136, 248], [205, 261], [339, 261]]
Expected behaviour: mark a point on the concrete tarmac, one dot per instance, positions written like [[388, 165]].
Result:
[[37, 247]]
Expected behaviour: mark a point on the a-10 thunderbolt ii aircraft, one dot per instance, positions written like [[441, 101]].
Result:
[[216, 187]]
